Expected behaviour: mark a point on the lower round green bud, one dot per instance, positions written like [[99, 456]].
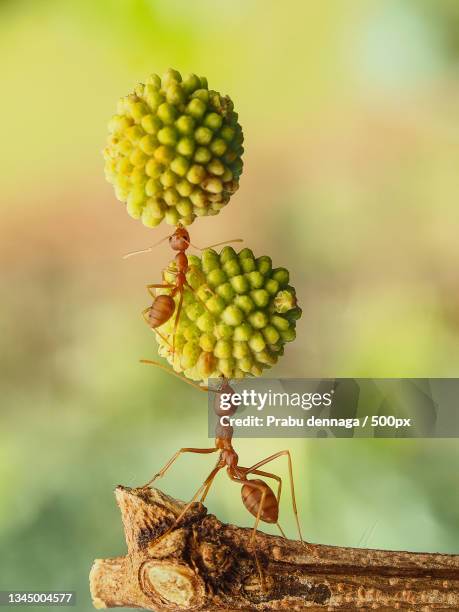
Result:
[[227, 327]]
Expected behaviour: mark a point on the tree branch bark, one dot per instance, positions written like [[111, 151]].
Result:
[[206, 565]]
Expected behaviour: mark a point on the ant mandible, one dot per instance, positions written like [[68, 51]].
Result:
[[163, 306], [257, 496]]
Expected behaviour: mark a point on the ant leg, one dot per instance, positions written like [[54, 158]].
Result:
[[174, 373], [292, 485], [199, 272], [206, 490], [279, 490], [176, 322], [269, 475], [153, 328], [162, 471], [209, 478], [252, 541], [188, 286], [158, 286]]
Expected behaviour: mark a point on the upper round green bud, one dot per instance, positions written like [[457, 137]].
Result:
[[181, 133]]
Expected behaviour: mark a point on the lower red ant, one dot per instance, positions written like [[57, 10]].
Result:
[[163, 306], [257, 496]]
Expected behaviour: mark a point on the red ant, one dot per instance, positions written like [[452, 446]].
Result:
[[163, 306], [258, 497]]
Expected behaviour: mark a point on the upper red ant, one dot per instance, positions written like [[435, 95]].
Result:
[[163, 306]]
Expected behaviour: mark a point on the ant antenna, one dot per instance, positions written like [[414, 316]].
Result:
[[169, 371], [217, 244], [146, 250], [190, 382]]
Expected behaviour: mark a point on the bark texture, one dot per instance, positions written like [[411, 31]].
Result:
[[206, 565]]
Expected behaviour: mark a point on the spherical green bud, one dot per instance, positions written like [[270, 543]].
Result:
[[196, 174], [184, 188], [180, 165], [257, 342], [210, 260], [223, 330], [185, 209], [279, 322], [170, 76], [255, 279], [213, 121], [196, 108], [260, 297], [175, 94], [243, 332], [241, 350], [152, 187], [281, 275], [167, 135], [223, 349], [167, 113], [216, 167], [171, 197], [202, 94], [171, 216], [164, 155], [272, 286], [191, 83], [194, 311], [218, 147], [202, 155], [258, 319], [186, 146], [153, 168], [231, 267], [227, 133], [207, 342], [167, 179], [288, 335], [164, 122], [240, 283], [247, 264], [245, 303], [264, 265], [185, 125], [232, 315], [190, 354], [271, 334], [212, 185], [215, 305], [225, 291], [206, 322], [216, 277], [151, 124], [226, 366]]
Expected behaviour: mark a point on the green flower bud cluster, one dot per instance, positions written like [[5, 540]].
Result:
[[236, 320], [174, 150]]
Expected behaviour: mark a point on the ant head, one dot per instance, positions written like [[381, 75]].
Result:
[[180, 239]]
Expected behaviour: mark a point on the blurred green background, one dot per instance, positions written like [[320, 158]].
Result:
[[351, 120]]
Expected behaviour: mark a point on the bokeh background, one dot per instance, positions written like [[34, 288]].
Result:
[[351, 120]]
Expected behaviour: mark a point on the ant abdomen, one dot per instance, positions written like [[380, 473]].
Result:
[[161, 310], [251, 498]]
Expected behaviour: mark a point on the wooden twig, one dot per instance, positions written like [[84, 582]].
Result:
[[204, 564]]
